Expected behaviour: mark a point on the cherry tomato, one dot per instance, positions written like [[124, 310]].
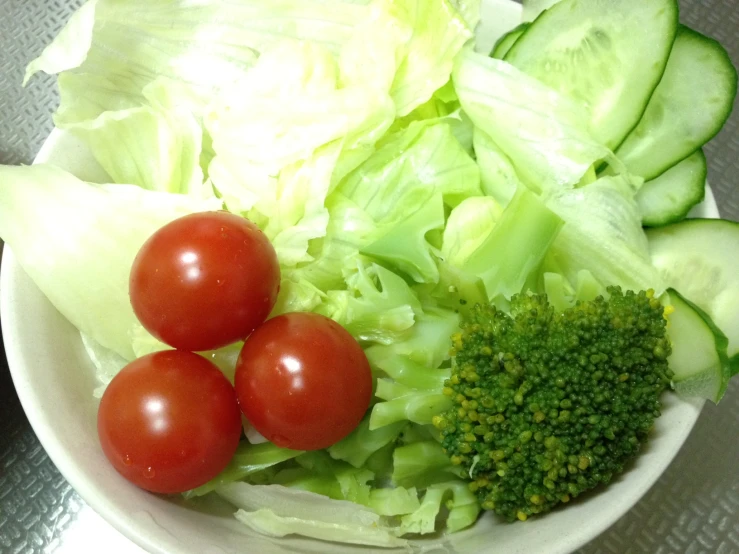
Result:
[[204, 281], [303, 381], [169, 421]]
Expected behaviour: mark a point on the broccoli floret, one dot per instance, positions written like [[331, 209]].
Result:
[[549, 404]]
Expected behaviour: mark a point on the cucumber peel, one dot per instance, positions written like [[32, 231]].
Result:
[[699, 360], [670, 197], [506, 42], [688, 108], [700, 258], [607, 55]]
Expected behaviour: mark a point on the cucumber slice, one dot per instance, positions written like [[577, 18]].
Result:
[[533, 8], [690, 105], [700, 258], [506, 41], [607, 54], [669, 197], [698, 360]]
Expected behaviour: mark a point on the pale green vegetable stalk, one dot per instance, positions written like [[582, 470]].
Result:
[[467, 227], [498, 177], [515, 247]]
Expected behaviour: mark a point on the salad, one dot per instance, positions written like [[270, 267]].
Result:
[[368, 283]]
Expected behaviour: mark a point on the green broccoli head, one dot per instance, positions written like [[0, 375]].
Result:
[[550, 404]]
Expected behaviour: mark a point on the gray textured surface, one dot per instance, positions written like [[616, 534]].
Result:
[[694, 508]]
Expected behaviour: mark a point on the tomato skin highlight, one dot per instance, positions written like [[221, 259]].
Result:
[[204, 280], [169, 421], [303, 381]]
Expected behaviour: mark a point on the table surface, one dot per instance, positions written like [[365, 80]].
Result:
[[693, 508]]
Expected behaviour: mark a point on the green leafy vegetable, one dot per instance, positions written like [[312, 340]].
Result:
[[440, 29], [467, 227], [111, 50], [545, 135], [278, 511], [161, 143], [77, 242], [603, 234]]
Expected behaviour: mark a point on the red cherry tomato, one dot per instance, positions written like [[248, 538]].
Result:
[[204, 281], [303, 381], [169, 421]]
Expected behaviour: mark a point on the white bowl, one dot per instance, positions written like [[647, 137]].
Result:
[[55, 379]]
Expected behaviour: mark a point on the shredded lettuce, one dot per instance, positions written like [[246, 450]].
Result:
[[106, 362], [463, 509], [422, 464], [498, 177], [395, 501], [515, 247], [362, 443], [408, 166], [378, 307]]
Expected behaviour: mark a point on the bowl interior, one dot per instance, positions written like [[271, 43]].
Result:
[[55, 379]]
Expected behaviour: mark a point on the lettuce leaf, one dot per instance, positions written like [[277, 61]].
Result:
[[408, 167], [111, 50], [77, 242], [603, 234], [156, 146], [291, 103], [498, 177], [279, 137], [279, 511], [467, 227], [440, 30], [268, 523], [544, 134]]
